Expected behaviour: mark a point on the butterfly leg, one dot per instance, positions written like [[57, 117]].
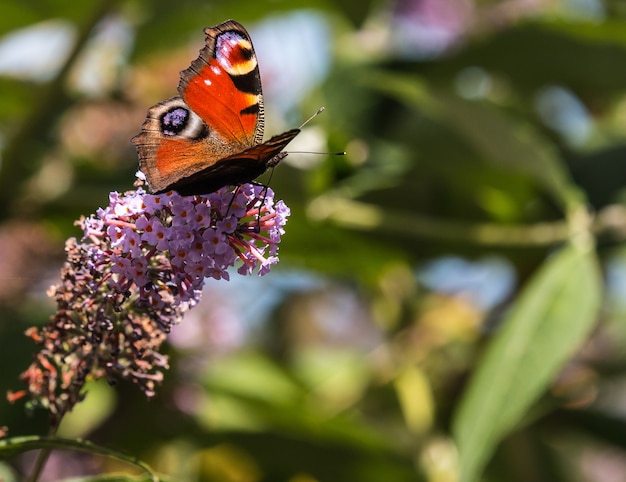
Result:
[[232, 200]]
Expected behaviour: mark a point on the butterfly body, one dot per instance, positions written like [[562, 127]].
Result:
[[211, 134]]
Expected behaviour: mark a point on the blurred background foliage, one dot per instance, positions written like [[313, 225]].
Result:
[[450, 299]]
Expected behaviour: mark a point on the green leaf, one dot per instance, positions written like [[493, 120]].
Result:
[[552, 317], [500, 139], [91, 412], [509, 143]]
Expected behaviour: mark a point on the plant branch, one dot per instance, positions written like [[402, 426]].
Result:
[[611, 220]]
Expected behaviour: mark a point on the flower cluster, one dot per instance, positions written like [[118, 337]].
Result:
[[140, 266]]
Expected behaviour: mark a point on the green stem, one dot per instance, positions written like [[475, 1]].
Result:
[[610, 221], [17, 445], [42, 457]]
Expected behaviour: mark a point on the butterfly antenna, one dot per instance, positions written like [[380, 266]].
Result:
[[338, 153], [319, 111]]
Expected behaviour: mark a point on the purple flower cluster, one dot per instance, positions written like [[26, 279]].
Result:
[[164, 245], [140, 266]]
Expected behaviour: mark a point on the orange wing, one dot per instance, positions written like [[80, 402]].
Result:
[[223, 85]]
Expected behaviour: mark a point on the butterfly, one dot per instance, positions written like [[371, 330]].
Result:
[[211, 134]]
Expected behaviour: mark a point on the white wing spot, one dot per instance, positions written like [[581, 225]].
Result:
[[207, 81], [216, 70]]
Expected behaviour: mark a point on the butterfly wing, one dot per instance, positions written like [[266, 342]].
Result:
[[237, 168], [223, 85], [175, 142], [217, 117]]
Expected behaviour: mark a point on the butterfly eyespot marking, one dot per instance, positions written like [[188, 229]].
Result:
[[235, 54], [180, 121], [174, 121]]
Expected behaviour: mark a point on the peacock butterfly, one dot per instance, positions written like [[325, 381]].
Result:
[[211, 134]]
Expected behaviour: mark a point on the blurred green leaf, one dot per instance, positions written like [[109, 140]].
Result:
[[510, 143], [500, 139], [544, 327], [250, 390], [416, 399], [252, 374], [98, 405]]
